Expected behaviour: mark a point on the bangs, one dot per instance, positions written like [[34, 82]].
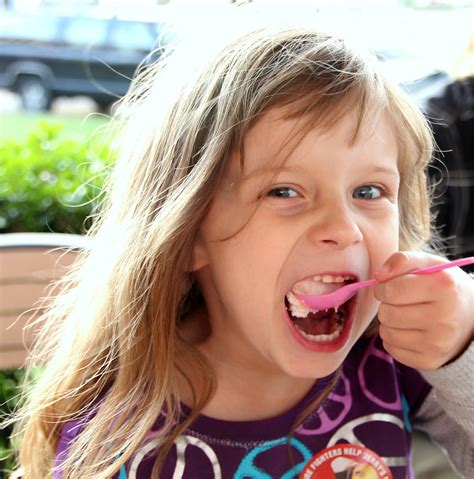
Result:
[[325, 112], [316, 110]]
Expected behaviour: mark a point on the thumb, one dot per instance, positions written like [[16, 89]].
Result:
[[403, 262]]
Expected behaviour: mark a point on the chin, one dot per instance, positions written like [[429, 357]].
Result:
[[313, 366], [315, 359]]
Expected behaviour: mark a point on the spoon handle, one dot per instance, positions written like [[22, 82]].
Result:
[[439, 267], [426, 270]]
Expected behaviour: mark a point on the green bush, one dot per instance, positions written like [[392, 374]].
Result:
[[10, 390], [48, 182]]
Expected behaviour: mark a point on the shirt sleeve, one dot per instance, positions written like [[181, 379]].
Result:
[[447, 413]]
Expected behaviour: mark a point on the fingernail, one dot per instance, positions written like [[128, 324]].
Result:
[[386, 268]]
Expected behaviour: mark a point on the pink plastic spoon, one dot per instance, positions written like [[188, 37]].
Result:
[[341, 295]]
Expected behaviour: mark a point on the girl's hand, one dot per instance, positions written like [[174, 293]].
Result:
[[425, 320]]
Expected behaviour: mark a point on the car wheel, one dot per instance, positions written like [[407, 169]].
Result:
[[34, 94], [104, 107]]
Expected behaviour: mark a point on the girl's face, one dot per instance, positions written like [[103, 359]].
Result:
[[303, 214]]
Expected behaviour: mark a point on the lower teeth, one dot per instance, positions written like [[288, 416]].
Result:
[[297, 313], [322, 338]]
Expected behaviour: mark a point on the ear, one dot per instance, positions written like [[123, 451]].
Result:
[[200, 257]]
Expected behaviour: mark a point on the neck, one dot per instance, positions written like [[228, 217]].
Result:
[[243, 392], [247, 397]]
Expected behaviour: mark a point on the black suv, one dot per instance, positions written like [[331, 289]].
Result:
[[46, 56]]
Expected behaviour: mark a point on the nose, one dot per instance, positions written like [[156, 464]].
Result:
[[336, 227]]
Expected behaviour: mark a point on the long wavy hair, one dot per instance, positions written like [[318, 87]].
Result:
[[112, 337]]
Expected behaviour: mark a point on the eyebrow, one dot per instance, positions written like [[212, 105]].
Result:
[[299, 169], [269, 170], [386, 170]]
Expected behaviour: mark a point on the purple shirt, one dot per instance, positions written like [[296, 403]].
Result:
[[373, 406]]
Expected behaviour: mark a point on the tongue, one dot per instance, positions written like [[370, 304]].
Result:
[[320, 322]]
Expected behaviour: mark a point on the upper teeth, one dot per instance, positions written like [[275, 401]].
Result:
[[319, 284], [298, 308], [328, 278]]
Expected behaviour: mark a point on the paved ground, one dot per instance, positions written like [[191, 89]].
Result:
[[80, 106], [9, 101]]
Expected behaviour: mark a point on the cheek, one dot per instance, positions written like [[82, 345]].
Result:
[[383, 240], [260, 252], [246, 268]]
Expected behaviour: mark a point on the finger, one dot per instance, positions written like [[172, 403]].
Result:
[[412, 359], [407, 339], [443, 289], [407, 289], [434, 342], [404, 261], [418, 317], [436, 321]]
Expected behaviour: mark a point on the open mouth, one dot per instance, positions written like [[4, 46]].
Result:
[[325, 325]]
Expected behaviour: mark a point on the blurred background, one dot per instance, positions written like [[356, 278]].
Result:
[[63, 59], [64, 63]]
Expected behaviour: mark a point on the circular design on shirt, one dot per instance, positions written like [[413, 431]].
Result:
[[181, 443], [386, 368], [344, 398], [348, 434], [346, 461], [249, 469]]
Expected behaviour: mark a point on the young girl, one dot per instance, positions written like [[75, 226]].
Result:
[[283, 163]]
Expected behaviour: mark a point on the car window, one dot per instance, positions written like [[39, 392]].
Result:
[[85, 31], [28, 27], [131, 35]]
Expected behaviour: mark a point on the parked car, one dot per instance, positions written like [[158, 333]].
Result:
[[417, 77], [46, 56]]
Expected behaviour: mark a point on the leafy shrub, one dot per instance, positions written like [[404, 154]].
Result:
[[9, 390], [49, 182]]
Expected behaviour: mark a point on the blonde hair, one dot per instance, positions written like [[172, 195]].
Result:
[[113, 337]]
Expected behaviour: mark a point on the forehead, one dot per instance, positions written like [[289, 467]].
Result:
[[278, 138]]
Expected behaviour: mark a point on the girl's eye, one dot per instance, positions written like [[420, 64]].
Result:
[[367, 192], [283, 192]]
